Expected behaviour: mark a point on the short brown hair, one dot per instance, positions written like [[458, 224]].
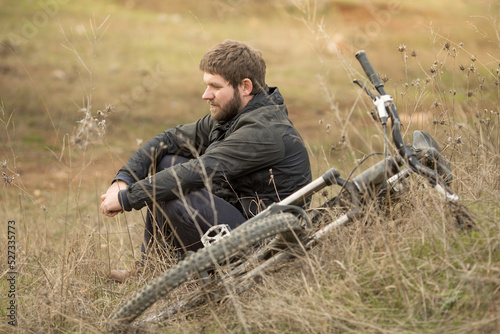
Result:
[[235, 61]]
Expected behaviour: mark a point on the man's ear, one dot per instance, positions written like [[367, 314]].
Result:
[[246, 86]]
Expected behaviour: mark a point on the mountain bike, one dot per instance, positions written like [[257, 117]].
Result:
[[231, 261]]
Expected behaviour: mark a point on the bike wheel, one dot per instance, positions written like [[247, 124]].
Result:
[[239, 276], [241, 238], [219, 287]]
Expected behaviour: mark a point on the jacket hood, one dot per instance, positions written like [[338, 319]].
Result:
[[271, 96]]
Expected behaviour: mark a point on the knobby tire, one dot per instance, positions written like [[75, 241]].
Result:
[[241, 238]]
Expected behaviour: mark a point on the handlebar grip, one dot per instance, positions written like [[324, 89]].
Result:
[[367, 67]]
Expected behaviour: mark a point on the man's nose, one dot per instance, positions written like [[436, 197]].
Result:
[[207, 95]]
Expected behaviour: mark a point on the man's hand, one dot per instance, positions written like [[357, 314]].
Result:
[[110, 206]]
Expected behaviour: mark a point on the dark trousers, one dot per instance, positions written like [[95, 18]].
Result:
[[182, 222]]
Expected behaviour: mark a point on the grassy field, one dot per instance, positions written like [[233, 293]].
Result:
[[404, 270]]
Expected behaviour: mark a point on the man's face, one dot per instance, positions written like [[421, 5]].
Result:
[[224, 100]]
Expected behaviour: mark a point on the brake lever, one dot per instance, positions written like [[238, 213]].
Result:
[[366, 89], [381, 102]]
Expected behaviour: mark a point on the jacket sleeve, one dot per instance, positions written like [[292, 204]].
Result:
[[169, 183], [184, 140], [253, 145]]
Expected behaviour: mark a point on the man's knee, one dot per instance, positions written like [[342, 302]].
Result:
[[189, 210], [170, 160]]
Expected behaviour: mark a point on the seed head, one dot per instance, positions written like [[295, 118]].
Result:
[[7, 180]]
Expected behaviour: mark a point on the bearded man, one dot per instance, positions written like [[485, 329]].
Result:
[[222, 169]]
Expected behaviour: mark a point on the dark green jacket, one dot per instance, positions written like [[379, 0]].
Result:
[[256, 158]]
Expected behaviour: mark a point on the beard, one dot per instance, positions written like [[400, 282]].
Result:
[[228, 110]]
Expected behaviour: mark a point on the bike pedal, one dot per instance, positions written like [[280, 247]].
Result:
[[215, 234]]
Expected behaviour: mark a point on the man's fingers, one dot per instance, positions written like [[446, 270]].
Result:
[[110, 213], [104, 209], [113, 213], [110, 205]]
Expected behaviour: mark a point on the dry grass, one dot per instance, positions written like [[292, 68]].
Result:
[[404, 270]]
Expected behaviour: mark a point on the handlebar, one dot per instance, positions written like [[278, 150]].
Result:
[[379, 86], [370, 72], [404, 151]]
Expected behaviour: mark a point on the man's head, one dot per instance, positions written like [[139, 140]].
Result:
[[235, 61], [234, 73]]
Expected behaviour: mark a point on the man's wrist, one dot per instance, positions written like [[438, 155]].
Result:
[[124, 178], [123, 200]]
